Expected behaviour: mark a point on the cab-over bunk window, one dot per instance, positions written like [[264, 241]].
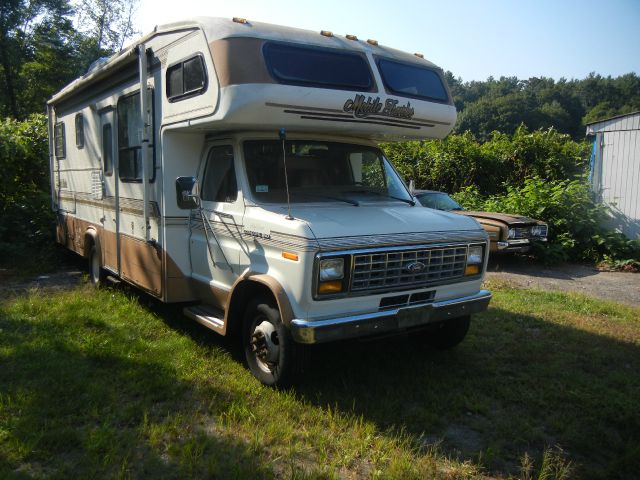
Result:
[[129, 139], [186, 79], [318, 67], [412, 81]]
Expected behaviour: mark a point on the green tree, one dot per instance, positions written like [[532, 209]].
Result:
[[539, 102], [37, 53], [107, 24]]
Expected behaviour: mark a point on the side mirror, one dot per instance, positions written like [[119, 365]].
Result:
[[187, 193], [412, 187]]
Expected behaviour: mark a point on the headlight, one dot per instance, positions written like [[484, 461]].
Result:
[[539, 231], [474, 260], [512, 233], [331, 269], [474, 255]]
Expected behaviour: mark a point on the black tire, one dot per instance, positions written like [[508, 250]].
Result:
[[271, 354], [96, 273], [448, 334]]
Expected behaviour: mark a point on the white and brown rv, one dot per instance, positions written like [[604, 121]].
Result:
[[233, 166]]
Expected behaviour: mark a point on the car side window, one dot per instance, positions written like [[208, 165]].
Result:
[[219, 181]]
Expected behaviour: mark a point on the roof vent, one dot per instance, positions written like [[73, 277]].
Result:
[[352, 37], [240, 20], [326, 33], [372, 42]]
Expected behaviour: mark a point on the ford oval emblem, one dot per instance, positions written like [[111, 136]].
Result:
[[415, 267]]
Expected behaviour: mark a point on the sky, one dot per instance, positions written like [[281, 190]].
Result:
[[472, 39]]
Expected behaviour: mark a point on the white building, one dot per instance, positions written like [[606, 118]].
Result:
[[615, 169]]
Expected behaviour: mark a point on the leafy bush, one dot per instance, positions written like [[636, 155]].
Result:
[[26, 219], [575, 220], [461, 161]]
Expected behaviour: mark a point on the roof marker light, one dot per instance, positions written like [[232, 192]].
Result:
[[326, 33], [419, 55], [352, 37], [240, 20], [372, 42]]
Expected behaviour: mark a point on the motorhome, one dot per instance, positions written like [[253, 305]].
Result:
[[233, 167]]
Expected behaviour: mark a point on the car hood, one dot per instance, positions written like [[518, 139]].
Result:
[[397, 221], [507, 218]]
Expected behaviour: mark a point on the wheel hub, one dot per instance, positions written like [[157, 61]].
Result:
[[264, 344]]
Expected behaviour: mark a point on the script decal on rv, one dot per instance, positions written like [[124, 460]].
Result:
[[362, 108]]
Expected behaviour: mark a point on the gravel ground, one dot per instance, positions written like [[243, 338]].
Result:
[[622, 287]]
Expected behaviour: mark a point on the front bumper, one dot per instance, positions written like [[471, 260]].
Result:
[[387, 321], [517, 245]]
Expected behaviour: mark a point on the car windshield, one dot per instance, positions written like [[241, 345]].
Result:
[[321, 172], [439, 201]]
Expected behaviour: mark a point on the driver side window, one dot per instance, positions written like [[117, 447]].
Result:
[[219, 181]]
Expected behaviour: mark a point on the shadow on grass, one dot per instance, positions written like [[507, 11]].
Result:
[[69, 412], [515, 385]]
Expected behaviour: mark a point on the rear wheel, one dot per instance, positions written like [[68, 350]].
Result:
[[447, 334], [271, 354], [96, 273]]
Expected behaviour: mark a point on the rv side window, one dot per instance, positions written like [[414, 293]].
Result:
[[318, 67], [107, 149], [220, 183], [412, 80], [79, 130], [59, 140], [129, 141], [186, 79]]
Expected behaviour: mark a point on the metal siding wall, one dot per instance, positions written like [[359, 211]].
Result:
[[620, 179], [618, 166]]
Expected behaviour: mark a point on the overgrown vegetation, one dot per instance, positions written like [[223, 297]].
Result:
[[541, 174], [26, 220], [93, 385]]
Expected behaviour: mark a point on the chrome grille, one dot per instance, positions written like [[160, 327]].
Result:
[[389, 269]]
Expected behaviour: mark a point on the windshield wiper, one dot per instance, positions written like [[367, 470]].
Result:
[[386, 195], [328, 197]]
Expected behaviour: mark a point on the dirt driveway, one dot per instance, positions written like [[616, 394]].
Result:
[[620, 287]]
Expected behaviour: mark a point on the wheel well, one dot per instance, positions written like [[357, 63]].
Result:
[[242, 295]]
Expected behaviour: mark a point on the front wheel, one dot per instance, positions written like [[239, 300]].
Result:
[[272, 355]]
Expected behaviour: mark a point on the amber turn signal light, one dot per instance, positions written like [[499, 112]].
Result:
[[472, 270], [330, 287]]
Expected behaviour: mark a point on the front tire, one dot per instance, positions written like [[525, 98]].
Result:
[[271, 354]]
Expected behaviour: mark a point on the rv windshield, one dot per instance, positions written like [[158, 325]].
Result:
[[321, 172]]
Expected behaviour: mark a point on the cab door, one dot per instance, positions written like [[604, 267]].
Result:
[[216, 227]]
